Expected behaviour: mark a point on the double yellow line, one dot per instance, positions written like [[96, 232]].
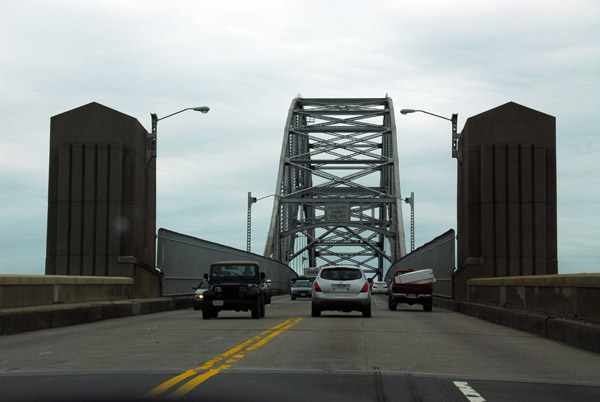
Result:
[[213, 367]]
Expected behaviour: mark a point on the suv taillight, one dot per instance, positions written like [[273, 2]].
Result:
[[365, 287], [316, 287]]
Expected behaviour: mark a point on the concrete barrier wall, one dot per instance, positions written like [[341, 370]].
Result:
[[575, 296], [44, 290], [16, 320], [577, 333]]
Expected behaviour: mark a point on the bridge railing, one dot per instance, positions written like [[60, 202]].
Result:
[[571, 296], [46, 290]]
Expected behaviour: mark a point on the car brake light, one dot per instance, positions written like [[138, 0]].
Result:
[[365, 287], [317, 288]]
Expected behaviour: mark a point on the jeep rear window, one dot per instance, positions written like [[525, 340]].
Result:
[[341, 274], [228, 271]]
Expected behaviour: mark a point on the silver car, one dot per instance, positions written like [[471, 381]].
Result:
[[301, 288], [379, 287], [341, 288]]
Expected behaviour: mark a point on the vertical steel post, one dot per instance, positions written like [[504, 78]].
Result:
[[456, 151], [151, 139], [411, 201], [251, 200]]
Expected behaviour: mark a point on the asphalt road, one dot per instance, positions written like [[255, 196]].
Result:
[[403, 355]]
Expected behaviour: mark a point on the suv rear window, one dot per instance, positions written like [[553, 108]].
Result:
[[341, 274]]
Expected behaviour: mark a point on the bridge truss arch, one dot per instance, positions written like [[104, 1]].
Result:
[[337, 199]]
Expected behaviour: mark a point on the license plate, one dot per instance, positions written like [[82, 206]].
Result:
[[218, 303], [340, 287]]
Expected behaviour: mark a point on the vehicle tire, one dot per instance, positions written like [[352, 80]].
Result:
[[262, 309], [316, 311], [293, 298], [196, 308], [427, 307], [214, 314], [206, 313], [256, 310], [391, 304], [366, 312]]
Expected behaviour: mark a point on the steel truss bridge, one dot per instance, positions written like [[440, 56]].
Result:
[[338, 198]]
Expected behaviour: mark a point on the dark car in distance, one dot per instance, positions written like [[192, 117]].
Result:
[[199, 294]]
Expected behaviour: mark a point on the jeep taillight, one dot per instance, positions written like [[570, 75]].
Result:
[[365, 287], [316, 287]]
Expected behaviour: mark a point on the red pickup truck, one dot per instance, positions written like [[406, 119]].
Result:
[[411, 293]]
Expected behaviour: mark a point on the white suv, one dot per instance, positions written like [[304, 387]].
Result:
[[341, 288]]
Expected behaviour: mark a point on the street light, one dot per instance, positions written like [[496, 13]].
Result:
[[251, 200], [151, 137], [456, 136], [411, 201]]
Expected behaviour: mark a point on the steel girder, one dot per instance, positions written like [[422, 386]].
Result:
[[338, 198]]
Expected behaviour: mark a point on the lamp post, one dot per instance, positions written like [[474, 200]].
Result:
[[151, 138], [456, 136], [411, 201], [251, 200]]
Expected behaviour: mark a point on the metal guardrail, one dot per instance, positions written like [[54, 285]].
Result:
[[180, 286], [183, 261], [438, 254]]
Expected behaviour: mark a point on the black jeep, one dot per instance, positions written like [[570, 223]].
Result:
[[234, 285]]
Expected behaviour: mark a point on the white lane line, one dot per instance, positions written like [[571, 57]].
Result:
[[468, 391]]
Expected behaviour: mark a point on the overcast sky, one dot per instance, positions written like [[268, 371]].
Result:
[[247, 61]]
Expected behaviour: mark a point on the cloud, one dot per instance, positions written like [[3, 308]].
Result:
[[247, 61]]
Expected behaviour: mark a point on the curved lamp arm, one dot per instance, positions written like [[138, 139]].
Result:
[[152, 136], [456, 136]]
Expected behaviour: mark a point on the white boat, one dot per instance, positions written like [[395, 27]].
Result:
[[420, 276]]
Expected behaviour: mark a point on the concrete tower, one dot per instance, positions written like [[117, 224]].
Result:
[[507, 195], [101, 198]]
